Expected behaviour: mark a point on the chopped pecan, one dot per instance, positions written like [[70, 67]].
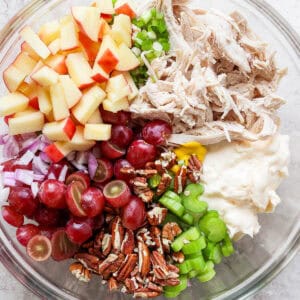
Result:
[[112, 284], [180, 180], [154, 287], [111, 258], [89, 261], [178, 257], [98, 240], [159, 167], [138, 172], [141, 189], [114, 266], [194, 169], [167, 282], [117, 231], [150, 165], [145, 293], [169, 232], [135, 271], [80, 272], [131, 284], [156, 237], [168, 159], [106, 244], [127, 267], [164, 183], [128, 243], [156, 215], [173, 271], [144, 235], [87, 245], [160, 268], [96, 252], [144, 259]]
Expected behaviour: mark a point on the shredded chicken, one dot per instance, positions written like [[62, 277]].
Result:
[[218, 82]]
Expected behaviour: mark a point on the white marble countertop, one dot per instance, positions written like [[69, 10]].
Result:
[[285, 286]]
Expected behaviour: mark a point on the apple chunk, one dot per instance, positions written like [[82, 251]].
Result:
[[26, 123], [127, 60], [59, 105], [133, 88], [99, 75], [78, 142], [121, 30], [27, 49], [79, 70], [45, 76], [24, 63], [68, 36], [95, 118], [57, 151], [12, 103], [115, 106], [54, 46], [105, 6], [97, 132], [90, 47], [60, 131], [44, 100], [57, 63], [90, 101], [125, 7], [117, 88], [49, 32], [71, 91], [13, 78], [34, 41]]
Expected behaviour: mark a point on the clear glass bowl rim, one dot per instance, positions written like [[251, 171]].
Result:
[[243, 290]]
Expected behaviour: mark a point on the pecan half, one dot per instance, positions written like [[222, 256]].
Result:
[[117, 231], [156, 237], [145, 293], [98, 240], [80, 272], [178, 257], [180, 180], [112, 284], [160, 268], [164, 183], [156, 215], [144, 259], [194, 169], [139, 172], [154, 287], [111, 258], [127, 267], [131, 284], [89, 261], [141, 189], [113, 267], [128, 243], [106, 244], [167, 282], [144, 235], [169, 232]]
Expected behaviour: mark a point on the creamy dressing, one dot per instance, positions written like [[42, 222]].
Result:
[[241, 179]]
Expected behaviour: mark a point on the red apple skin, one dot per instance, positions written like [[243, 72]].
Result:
[[99, 78], [108, 61], [91, 48], [126, 10], [34, 103], [70, 128], [75, 189], [53, 153]]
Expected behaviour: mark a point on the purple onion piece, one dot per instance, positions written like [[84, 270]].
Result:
[[92, 165]]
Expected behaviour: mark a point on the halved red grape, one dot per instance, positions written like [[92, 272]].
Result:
[[140, 152], [79, 230], [119, 164], [26, 232], [74, 197], [47, 231], [79, 176], [117, 193], [52, 194], [133, 214], [22, 200], [62, 247], [111, 150], [11, 216], [121, 135], [156, 132], [104, 170], [48, 216], [55, 169], [92, 202], [39, 248], [121, 117]]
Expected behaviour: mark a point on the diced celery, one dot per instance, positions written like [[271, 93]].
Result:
[[187, 218], [154, 181], [214, 228], [174, 206], [190, 235], [194, 246]]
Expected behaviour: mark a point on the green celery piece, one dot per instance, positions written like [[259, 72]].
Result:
[[172, 218], [194, 205], [194, 246], [172, 195], [207, 276], [214, 228], [226, 246], [216, 255], [180, 287], [185, 267], [212, 213], [198, 263], [190, 235], [193, 274], [193, 190], [208, 249], [154, 181], [175, 207], [171, 294], [187, 218]]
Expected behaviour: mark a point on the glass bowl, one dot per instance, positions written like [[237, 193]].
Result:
[[256, 260]]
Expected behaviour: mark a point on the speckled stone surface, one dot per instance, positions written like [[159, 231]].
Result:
[[286, 286]]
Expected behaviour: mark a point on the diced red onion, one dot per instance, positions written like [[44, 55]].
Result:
[[82, 158], [34, 189], [26, 158], [92, 165], [26, 136], [78, 166], [9, 175], [25, 176], [32, 144], [3, 139], [9, 181], [63, 174], [38, 177], [39, 166], [11, 148], [51, 176], [44, 157], [4, 193]]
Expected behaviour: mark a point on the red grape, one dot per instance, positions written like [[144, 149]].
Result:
[[92, 202], [11, 166], [111, 150], [104, 170], [26, 232], [121, 135], [140, 152], [39, 248], [11, 216], [117, 193], [22, 200], [73, 197], [48, 216], [119, 118], [79, 230], [79, 176], [156, 132], [47, 231], [52, 193], [133, 214], [55, 169], [119, 164]]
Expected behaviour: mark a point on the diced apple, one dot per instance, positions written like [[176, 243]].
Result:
[[78, 142], [26, 48], [125, 7], [127, 60], [49, 116], [34, 103], [105, 6], [79, 70], [117, 88], [13, 78], [57, 63], [97, 132], [45, 76], [49, 32], [24, 63], [12, 103], [95, 118], [44, 100], [60, 131], [99, 75], [33, 40], [68, 36], [88, 20], [121, 30], [26, 123], [107, 57], [26, 89], [134, 90], [90, 101], [90, 47], [57, 151], [59, 105], [107, 17], [104, 29], [71, 92], [54, 46], [29, 110], [116, 106]]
